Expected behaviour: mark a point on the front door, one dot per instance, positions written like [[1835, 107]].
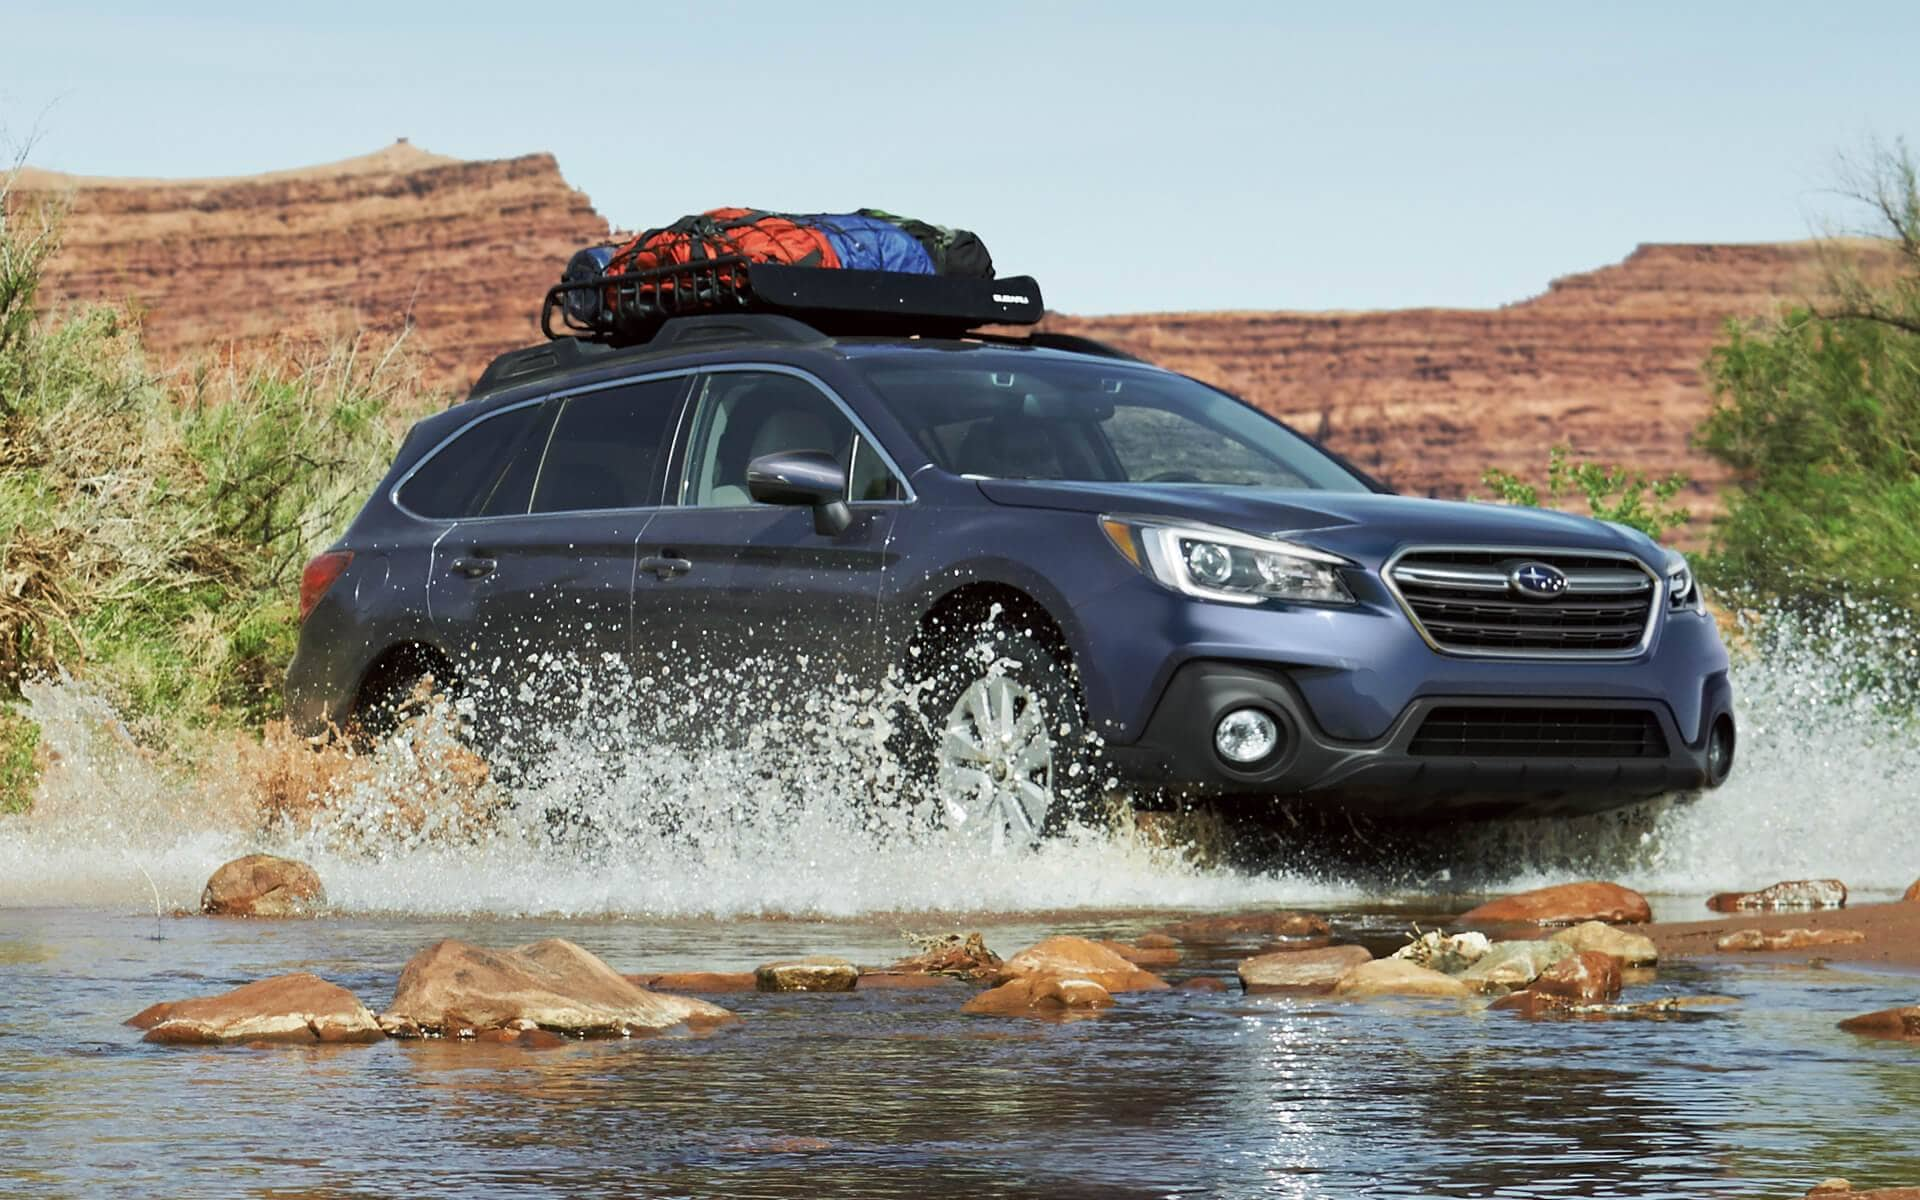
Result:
[[747, 598]]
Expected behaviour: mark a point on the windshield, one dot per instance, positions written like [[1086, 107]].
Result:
[[1014, 415]]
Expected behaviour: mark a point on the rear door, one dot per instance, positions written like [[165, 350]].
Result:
[[535, 591], [748, 597]]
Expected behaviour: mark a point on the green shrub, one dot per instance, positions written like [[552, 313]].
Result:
[[19, 760], [1612, 494]]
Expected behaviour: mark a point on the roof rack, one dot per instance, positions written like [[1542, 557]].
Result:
[[630, 308]]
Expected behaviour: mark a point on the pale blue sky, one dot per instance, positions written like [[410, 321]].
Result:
[[1166, 156]]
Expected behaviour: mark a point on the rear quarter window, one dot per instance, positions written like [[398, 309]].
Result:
[[486, 470]]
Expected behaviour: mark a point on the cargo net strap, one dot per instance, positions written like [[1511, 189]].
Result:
[[633, 304]]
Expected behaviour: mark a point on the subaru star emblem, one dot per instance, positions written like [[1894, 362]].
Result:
[[1538, 580]]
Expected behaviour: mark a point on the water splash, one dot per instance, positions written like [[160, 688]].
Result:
[[759, 809]]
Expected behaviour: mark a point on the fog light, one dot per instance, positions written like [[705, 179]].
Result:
[[1246, 735]]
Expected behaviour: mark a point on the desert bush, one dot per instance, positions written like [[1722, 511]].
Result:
[[1611, 493], [153, 523]]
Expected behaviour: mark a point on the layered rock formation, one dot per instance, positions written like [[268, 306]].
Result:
[[459, 251], [1428, 398]]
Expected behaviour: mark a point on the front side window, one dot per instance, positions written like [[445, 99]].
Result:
[[742, 415], [607, 448], [1015, 415]]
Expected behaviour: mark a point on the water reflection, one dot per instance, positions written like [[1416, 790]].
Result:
[[896, 1094]]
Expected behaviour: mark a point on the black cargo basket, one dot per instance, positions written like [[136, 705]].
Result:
[[627, 309]]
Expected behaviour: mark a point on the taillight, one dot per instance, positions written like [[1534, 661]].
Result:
[[319, 576]]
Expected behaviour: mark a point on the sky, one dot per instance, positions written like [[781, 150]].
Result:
[[1132, 157]]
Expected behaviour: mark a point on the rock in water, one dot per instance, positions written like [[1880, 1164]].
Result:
[[1787, 895], [1447, 954], [815, 974], [457, 989], [711, 983], [1788, 939], [263, 885], [1510, 965], [1900, 1023], [1565, 904], [1039, 995], [1068, 957], [962, 956], [1397, 977], [1586, 977], [1632, 949], [1913, 893], [1300, 970], [300, 1009], [1304, 927]]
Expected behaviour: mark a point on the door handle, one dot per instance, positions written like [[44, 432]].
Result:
[[473, 568], [665, 566]]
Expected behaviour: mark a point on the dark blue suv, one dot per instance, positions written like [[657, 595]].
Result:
[[1090, 573]]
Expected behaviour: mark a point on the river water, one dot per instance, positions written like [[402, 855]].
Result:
[[726, 861]]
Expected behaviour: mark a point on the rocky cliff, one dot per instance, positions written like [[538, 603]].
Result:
[[1608, 360]]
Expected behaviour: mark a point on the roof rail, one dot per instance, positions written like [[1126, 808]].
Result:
[[744, 327], [563, 354]]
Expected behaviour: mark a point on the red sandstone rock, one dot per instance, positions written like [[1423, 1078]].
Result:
[[1398, 977], [1143, 956], [1242, 926], [300, 1009], [1039, 995], [1202, 983], [1790, 894], [1913, 893], [1067, 957], [1588, 977], [960, 956], [1156, 941], [818, 973], [1900, 1023], [1300, 970], [708, 983], [1788, 939], [458, 990], [1565, 904], [263, 885]]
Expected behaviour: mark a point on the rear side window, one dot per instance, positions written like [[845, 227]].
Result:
[[607, 448], [484, 471]]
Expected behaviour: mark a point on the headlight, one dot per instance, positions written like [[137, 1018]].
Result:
[[1683, 590], [1222, 564]]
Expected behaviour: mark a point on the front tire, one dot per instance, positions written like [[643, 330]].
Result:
[[1001, 738]]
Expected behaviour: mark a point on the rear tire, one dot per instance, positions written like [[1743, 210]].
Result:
[[999, 738]]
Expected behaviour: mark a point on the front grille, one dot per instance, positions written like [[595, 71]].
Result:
[[1465, 602], [1501, 732]]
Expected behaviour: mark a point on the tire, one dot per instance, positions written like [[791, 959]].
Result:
[[999, 737]]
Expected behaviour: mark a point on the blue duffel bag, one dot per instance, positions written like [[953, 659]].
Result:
[[870, 244]]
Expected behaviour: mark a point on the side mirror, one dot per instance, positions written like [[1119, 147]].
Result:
[[803, 477]]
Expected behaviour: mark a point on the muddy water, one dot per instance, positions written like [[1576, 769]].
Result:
[[725, 859], [896, 1093]]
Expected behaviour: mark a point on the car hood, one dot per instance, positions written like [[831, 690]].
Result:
[[1361, 525]]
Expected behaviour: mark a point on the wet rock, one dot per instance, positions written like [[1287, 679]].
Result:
[[263, 885], [1304, 927], [457, 989], [1448, 954], [904, 981], [1632, 949], [1913, 893], [1397, 977], [1066, 957], [1300, 970], [1509, 965], [1900, 1023], [1789, 895], [701, 983], [1203, 983], [1533, 1004], [1788, 939], [1565, 904], [1145, 956], [300, 1009], [1840, 1187], [526, 1039], [1040, 995], [1585, 977], [818, 973], [1156, 941], [962, 956], [779, 1145]]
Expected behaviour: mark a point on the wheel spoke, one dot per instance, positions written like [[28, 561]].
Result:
[[957, 746], [1035, 801], [1003, 708], [976, 701]]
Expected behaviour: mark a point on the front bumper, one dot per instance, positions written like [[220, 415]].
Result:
[[1396, 775]]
